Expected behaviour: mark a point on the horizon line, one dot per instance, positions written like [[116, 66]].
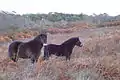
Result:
[[15, 12]]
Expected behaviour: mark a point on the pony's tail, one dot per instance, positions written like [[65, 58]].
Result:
[[12, 50], [11, 55]]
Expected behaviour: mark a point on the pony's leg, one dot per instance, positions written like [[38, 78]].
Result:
[[33, 59], [68, 56], [12, 54], [66, 53], [36, 60], [16, 56], [37, 57], [46, 54], [13, 58]]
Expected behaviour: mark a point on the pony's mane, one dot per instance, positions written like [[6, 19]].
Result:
[[37, 37], [70, 40]]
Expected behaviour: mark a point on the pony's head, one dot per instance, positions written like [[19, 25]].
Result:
[[42, 38], [78, 42]]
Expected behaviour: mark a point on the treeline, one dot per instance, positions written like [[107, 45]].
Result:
[[52, 19], [55, 17]]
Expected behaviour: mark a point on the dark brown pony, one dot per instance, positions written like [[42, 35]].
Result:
[[25, 50], [65, 49]]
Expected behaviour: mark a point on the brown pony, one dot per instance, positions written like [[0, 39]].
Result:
[[65, 49], [25, 50]]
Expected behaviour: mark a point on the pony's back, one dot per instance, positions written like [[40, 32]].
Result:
[[71, 40]]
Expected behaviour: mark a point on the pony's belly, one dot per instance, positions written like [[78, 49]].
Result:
[[59, 54]]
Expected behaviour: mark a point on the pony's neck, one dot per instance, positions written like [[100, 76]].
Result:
[[70, 43], [73, 45]]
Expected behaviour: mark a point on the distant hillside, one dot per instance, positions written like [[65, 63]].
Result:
[[11, 20], [8, 20]]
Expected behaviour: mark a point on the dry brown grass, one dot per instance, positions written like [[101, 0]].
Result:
[[98, 59]]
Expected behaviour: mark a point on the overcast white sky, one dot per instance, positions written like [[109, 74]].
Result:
[[112, 7]]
